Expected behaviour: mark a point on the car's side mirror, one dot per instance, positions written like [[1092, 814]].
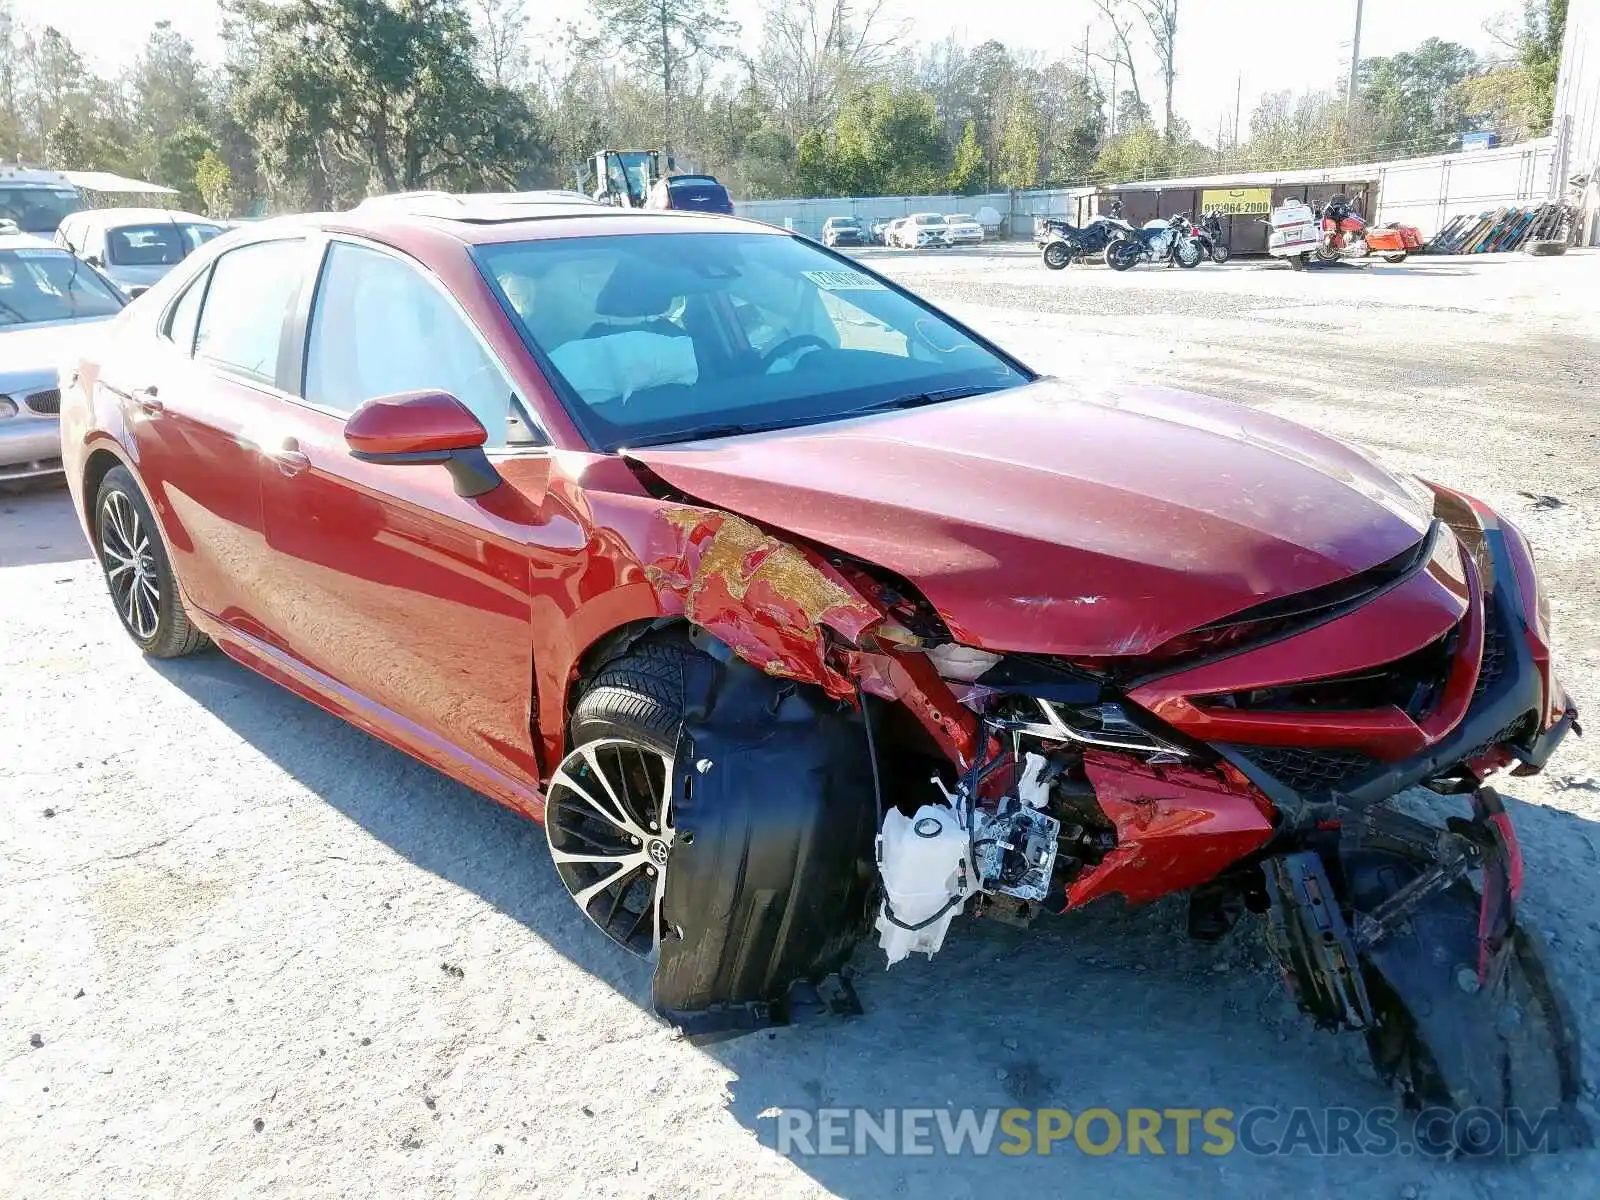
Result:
[[94, 261], [138, 290], [424, 427]]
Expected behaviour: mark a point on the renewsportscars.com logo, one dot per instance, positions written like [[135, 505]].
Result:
[[958, 1132]]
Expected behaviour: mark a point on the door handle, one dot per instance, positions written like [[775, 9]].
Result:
[[288, 458], [146, 401]]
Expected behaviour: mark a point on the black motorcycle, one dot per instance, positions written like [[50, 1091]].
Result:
[[1208, 233], [1065, 243]]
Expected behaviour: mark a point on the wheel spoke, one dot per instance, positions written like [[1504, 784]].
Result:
[[563, 779], [637, 857], [625, 868], [143, 601]]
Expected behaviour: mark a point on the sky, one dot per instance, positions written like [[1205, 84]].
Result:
[[1223, 45]]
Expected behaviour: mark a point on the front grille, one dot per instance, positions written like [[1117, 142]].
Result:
[[1310, 770], [1411, 684], [46, 403]]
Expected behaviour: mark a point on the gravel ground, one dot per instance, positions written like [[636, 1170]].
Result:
[[246, 950]]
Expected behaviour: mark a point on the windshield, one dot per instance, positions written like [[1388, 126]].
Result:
[[46, 284], [38, 209], [666, 337], [963, 218], [162, 244], [845, 223]]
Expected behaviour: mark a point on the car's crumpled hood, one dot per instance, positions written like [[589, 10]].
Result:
[[1044, 520]]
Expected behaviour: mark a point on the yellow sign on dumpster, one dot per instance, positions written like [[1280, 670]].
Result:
[[1237, 202]]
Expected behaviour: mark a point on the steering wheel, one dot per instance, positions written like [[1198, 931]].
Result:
[[788, 346]]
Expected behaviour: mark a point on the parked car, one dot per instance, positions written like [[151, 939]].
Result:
[[47, 300], [36, 200], [695, 193], [843, 231], [919, 230], [135, 246], [880, 232], [965, 229], [788, 602]]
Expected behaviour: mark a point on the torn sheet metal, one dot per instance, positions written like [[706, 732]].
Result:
[[767, 599], [1177, 826], [908, 676]]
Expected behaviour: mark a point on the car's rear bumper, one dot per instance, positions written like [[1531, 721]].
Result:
[[30, 446]]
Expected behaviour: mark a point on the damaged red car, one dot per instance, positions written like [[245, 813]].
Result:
[[801, 614]]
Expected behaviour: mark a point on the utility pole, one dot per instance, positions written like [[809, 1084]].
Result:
[[1355, 58], [1114, 64], [1238, 108]]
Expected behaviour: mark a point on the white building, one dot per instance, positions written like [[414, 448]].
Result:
[[1577, 118]]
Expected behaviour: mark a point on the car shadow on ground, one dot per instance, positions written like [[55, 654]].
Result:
[[1110, 1008], [37, 525]]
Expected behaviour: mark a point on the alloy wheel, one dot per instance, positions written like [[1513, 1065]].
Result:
[[130, 566], [608, 822]]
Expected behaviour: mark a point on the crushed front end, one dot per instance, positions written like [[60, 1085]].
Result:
[[1249, 763]]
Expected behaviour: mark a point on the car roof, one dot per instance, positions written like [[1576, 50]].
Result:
[[27, 241], [112, 218], [486, 220]]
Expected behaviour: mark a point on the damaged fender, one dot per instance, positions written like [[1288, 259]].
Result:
[[766, 599]]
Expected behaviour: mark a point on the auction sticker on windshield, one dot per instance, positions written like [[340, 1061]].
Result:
[[844, 281]]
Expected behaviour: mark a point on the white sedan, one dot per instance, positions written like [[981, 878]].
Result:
[[964, 228]]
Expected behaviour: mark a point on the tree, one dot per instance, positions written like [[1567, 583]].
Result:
[[214, 182], [813, 165], [386, 84], [1410, 97], [1544, 27], [664, 38], [1019, 146], [966, 174], [65, 147], [813, 52], [1122, 56], [501, 27], [178, 158], [1160, 21]]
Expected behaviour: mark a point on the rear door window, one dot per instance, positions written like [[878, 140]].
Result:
[[252, 292]]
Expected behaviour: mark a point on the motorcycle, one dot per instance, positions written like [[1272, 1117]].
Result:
[[1208, 232], [1345, 234], [1064, 243], [1166, 241]]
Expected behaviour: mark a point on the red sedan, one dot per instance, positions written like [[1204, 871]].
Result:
[[795, 608]]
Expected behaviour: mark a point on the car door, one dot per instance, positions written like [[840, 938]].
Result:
[[411, 603], [197, 402]]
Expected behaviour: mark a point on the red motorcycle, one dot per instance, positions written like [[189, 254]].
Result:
[[1345, 234]]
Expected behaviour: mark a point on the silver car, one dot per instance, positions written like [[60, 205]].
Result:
[[47, 299], [134, 247]]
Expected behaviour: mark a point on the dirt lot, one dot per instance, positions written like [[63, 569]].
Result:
[[246, 950]]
